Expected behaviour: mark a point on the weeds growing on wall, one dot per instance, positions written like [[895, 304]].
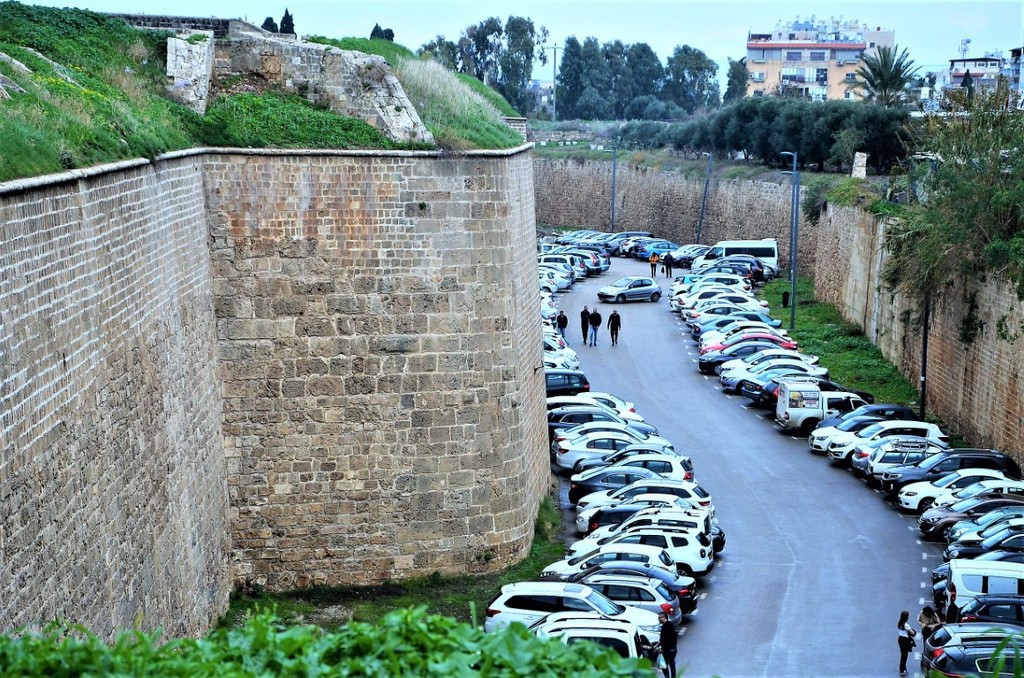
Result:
[[392, 52]]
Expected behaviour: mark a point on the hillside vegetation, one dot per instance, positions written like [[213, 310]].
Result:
[[84, 89]]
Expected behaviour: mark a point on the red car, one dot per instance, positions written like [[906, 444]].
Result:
[[782, 342]]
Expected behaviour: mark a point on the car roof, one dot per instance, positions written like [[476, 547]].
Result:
[[550, 586]]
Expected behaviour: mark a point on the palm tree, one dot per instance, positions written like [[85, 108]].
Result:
[[883, 77]]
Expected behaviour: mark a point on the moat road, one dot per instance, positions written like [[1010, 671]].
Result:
[[816, 567]]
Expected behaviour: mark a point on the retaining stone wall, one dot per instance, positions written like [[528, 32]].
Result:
[[378, 332], [113, 508], [976, 389], [578, 194]]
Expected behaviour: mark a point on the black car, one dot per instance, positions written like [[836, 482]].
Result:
[[568, 416], [1010, 538], [880, 410], [613, 515], [994, 609], [947, 461], [712, 359], [606, 479], [962, 649], [565, 382], [934, 522]]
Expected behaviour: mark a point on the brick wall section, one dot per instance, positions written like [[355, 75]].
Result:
[[220, 27], [578, 194], [975, 388], [378, 332], [112, 477]]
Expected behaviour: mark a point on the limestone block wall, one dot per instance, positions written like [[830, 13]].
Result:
[[349, 83], [113, 508], [975, 388], [378, 334], [578, 194], [189, 67]]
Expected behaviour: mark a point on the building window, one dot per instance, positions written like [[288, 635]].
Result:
[[817, 56], [757, 76], [851, 77], [847, 95], [794, 56], [871, 45]]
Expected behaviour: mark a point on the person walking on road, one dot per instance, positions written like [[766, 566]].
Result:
[[669, 260], [906, 640], [595, 325], [669, 640], [585, 323], [654, 259], [561, 322], [614, 325]]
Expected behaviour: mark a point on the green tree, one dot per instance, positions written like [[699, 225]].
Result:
[[443, 51], [595, 68], [377, 33], [883, 78], [485, 45], [287, 23], [592, 106], [570, 82], [270, 25], [515, 61], [620, 87], [691, 79], [736, 87], [645, 70]]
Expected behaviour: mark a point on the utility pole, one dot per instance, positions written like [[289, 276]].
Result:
[[554, 76]]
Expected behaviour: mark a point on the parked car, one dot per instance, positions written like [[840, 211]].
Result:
[[988, 488], [623, 409], [693, 518], [761, 356], [707, 363], [565, 382], [967, 649], [598, 443], [684, 586], [731, 380], [606, 480], [840, 448], [921, 495], [527, 602], [945, 462], [646, 593], [631, 288], [572, 415], [953, 521], [1009, 537], [691, 551], [941, 572], [620, 635], [746, 337], [650, 555], [632, 451], [701, 325], [872, 459], [995, 609], [880, 410], [663, 485], [610, 516]]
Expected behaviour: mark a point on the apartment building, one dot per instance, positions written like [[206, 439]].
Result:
[[814, 59]]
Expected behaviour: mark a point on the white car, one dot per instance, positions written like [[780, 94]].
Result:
[[623, 408], [922, 495], [641, 501], [637, 553], [556, 361], [546, 285], [560, 281], [527, 602], [597, 443], [1007, 486], [621, 635], [690, 550], [668, 465], [761, 356], [744, 301], [731, 380], [820, 437], [694, 518], [633, 450], [840, 448], [723, 333], [693, 493]]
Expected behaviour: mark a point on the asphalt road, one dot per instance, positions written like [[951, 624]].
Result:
[[816, 567]]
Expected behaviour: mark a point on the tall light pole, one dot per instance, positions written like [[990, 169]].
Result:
[[794, 235], [615, 162], [704, 200], [554, 84]]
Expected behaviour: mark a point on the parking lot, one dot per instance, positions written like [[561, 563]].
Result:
[[817, 566]]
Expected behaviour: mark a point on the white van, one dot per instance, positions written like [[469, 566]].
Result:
[[969, 579], [767, 250], [803, 405]]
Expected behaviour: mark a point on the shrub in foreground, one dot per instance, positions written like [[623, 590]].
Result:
[[405, 643]]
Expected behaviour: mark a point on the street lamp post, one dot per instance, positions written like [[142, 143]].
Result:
[[704, 200], [615, 162], [794, 235]]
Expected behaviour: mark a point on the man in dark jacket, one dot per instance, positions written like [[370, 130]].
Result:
[[585, 323], [561, 322], [668, 261], [595, 325], [614, 324], [669, 640]]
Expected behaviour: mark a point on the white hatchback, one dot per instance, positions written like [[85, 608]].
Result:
[[691, 550], [637, 553], [840, 447], [920, 496]]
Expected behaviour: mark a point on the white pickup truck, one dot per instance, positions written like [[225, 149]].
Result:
[[802, 405]]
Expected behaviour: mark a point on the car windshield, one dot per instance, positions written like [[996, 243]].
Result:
[[870, 431], [964, 505], [604, 604], [946, 481], [971, 491], [579, 559], [991, 542], [621, 282], [851, 424]]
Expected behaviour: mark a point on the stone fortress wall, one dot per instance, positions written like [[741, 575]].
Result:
[[113, 482], [266, 367]]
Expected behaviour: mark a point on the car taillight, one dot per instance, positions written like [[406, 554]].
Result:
[[573, 486], [491, 612], [632, 409], [586, 387], [682, 593], [593, 526], [705, 502], [861, 455], [563, 450], [968, 618], [688, 475]]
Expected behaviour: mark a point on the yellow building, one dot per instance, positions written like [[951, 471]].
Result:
[[811, 59]]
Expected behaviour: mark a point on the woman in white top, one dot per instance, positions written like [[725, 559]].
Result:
[[906, 640]]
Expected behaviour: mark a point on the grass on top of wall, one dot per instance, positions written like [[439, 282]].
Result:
[[488, 93], [392, 52], [462, 597]]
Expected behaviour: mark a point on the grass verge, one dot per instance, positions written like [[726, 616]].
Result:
[[463, 597], [850, 356]]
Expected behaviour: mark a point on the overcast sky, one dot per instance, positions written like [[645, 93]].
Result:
[[931, 30]]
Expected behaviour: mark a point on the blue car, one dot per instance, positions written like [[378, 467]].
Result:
[[660, 246]]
